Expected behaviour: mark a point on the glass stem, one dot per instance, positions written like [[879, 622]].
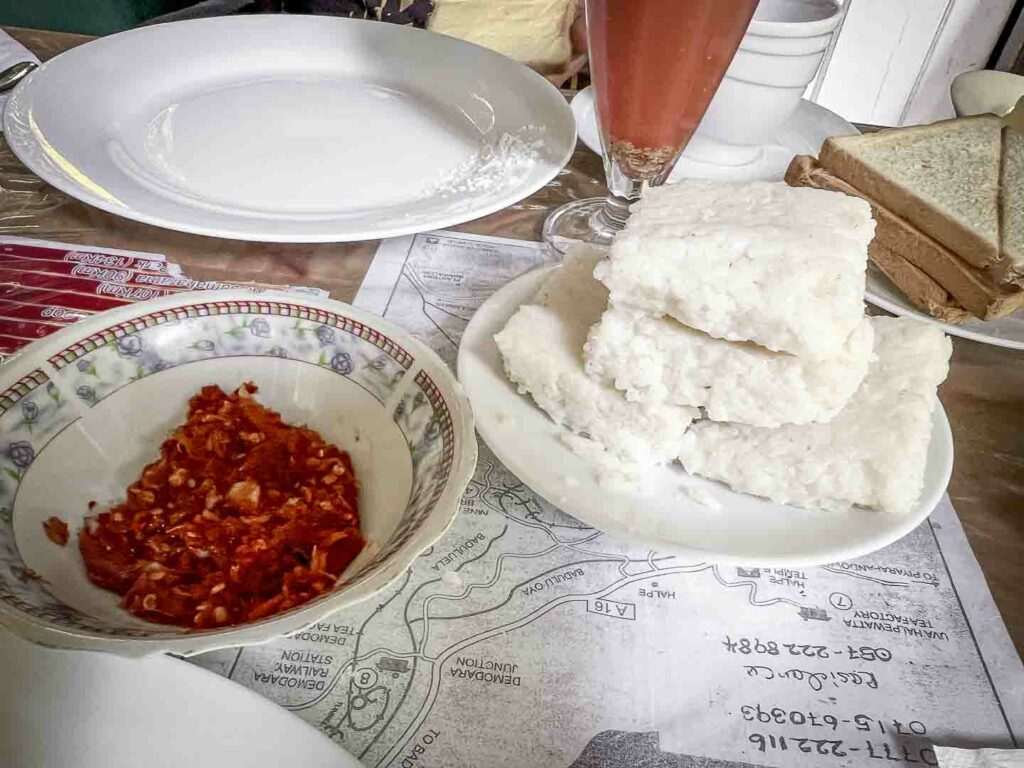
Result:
[[613, 213], [624, 192]]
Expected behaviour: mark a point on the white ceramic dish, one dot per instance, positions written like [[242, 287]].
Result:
[[776, 60], [794, 18], [985, 91], [1001, 332], [746, 531], [802, 134], [290, 128], [84, 410], [97, 710]]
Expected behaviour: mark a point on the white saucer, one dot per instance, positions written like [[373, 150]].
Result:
[[746, 530], [1001, 332], [802, 134]]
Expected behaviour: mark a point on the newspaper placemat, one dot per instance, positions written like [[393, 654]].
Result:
[[525, 638]]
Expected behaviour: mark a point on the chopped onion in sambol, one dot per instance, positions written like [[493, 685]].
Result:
[[243, 516]]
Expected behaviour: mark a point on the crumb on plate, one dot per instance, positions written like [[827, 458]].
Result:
[[56, 530]]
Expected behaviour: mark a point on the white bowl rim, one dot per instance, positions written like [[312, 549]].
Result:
[[813, 28], [990, 89], [35, 355]]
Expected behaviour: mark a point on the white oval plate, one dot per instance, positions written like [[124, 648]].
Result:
[[802, 134], [1001, 332], [747, 530], [98, 710], [290, 128]]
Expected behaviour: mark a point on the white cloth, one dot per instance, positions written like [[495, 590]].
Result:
[[11, 52]]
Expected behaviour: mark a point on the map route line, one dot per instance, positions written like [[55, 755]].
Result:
[[398, 706], [408, 601], [545, 527], [419, 655], [415, 656], [875, 579], [356, 660], [653, 561], [359, 633], [423, 300], [387, 723], [435, 678], [412, 274], [463, 564], [498, 565], [624, 560], [514, 588], [529, 520], [752, 591]]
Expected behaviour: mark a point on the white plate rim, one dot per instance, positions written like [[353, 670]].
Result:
[[13, 118], [35, 356], [904, 309], [942, 444], [191, 678]]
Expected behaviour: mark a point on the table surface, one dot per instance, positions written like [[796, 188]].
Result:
[[983, 396]]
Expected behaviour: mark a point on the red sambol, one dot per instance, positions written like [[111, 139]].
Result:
[[243, 516]]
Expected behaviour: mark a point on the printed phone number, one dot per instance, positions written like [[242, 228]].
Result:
[[746, 646], [840, 748]]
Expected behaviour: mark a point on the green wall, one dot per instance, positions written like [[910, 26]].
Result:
[[91, 17]]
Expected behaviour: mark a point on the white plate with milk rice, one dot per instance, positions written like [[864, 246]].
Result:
[[712, 387]]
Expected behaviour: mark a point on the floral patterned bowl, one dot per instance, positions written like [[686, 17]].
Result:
[[84, 410]]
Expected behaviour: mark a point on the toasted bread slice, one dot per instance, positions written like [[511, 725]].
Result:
[[1011, 212], [971, 288], [942, 178], [923, 292]]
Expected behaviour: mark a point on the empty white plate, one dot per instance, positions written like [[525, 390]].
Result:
[[290, 128], [747, 530], [1001, 332], [99, 710]]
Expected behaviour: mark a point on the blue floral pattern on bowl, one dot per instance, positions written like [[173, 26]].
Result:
[[32, 412], [426, 423], [107, 361]]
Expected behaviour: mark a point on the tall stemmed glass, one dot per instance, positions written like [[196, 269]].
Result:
[[655, 66]]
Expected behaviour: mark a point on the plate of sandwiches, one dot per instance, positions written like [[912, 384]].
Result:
[[710, 385], [948, 199]]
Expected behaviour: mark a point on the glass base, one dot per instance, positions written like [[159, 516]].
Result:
[[594, 221]]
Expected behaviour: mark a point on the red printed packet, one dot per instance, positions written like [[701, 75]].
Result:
[[46, 285], [41, 250], [42, 313]]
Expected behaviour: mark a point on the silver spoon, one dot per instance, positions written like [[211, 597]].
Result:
[[11, 76]]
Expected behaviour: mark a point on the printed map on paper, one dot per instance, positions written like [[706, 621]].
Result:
[[525, 638]]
